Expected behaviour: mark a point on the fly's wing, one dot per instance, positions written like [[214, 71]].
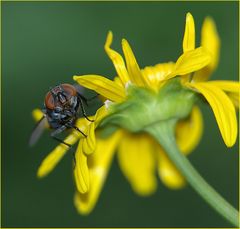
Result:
[[79, 88], [38, 130], [80, 91]]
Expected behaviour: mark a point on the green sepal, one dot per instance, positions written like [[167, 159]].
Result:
[[144, 107]]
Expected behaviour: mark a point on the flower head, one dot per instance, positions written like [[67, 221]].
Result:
[[141, 97]]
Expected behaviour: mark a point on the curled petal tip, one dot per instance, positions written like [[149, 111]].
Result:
[[39, 176], [108, 40], [75, 77], [40, 173], [210, 21], [124, 42], [189, 16], [210, 30], [230, 142], [110, 33], [189, 34], [37, 114]]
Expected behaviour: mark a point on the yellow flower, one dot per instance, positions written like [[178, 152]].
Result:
[[139, 155], [136, 152]]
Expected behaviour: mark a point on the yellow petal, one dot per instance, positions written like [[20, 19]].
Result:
[[232, 89], [137, 162], [156, 75], [134, 71], [211, 42], [89, 142], [82, 123], [234, 98], [223, 110], [100, 114], [117, 80], [99, 164], [37, 114], [226, 85], [50, 162], [168, 173], [190, 61], [117, 60], [81, 172], [52, 159], [102, 86], [189, 35], [189, 131]]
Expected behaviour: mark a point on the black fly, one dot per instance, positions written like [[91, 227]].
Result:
[[62, 106]]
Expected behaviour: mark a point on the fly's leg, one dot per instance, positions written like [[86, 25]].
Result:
[[70, 125], [74, 159], [58, 131], [76, 128], [81, 99], [61, 141]]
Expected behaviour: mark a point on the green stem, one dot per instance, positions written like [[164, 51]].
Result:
[[164, 134]]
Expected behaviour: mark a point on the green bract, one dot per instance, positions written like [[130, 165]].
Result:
[[144, 108]]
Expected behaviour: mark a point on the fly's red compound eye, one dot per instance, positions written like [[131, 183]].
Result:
[[49, 101], [66, 91], [69, 89]]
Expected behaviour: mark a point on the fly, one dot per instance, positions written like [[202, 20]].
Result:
[[62, 106]]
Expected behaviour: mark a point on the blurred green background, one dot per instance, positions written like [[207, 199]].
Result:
[[46, 43]]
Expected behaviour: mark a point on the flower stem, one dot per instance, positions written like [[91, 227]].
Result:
[[164, 134]]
